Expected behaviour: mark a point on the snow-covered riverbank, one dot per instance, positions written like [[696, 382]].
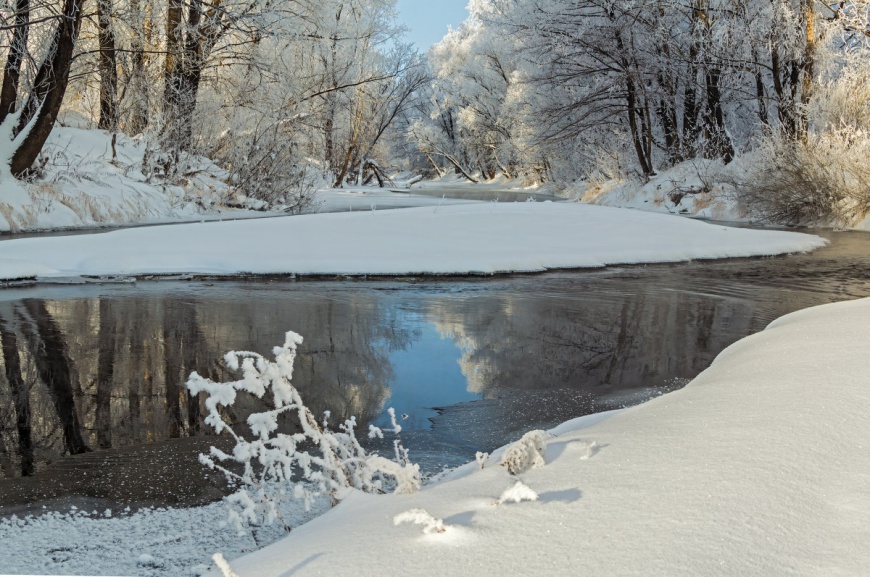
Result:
[[481, 238], [758, 467]]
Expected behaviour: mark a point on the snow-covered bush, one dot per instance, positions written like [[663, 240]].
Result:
[[527, 453], [269, 465], [823, 178]]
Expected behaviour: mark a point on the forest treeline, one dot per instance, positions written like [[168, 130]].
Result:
[[276, 91]]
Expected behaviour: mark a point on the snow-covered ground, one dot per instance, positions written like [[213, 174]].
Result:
[[83, 185], [697, 188], [371, 198], [146, 543], [474, 238], [758, 467]]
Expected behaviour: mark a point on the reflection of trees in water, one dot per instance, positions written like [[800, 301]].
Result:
[[606, 341], [92, 373]]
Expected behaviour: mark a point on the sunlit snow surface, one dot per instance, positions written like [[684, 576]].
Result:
[[481, 238]]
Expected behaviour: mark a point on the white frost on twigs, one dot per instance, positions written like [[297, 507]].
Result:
[[222, 564], [527, 453], [517, 494], [268, 465], [406, 475], [481, 458], [421, 517]]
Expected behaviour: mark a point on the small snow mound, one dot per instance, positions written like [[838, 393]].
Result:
[[146, 560], [589, 450], [527, 453], [517, 494], [421, 517]]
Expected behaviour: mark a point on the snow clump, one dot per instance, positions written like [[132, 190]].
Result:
[[527, 453]]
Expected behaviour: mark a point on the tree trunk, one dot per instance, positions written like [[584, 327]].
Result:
[[17, 51], [49, 88], [719, 143], [636, 137], [108, 68], [807, 67], [139, 83]]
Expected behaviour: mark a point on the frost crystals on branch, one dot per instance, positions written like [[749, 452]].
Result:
[[316, 461]]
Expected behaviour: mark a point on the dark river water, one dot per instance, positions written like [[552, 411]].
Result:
[[93, 407]]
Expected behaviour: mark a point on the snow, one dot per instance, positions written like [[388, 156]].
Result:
[[759, 467], [480, 238], [83, 186], [698, 188], [372, 198], [147, 543]]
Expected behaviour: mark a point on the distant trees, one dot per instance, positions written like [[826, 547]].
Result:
[[649, 83], [270, 88]]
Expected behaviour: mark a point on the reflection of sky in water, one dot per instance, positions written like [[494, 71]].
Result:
[[427, 375]]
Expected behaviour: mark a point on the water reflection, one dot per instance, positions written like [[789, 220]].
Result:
[[93, 375]]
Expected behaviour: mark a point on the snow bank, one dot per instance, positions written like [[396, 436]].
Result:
[[83, 185], [695, 188], [475, 238], [758, 467]]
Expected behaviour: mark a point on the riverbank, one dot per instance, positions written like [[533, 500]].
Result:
[[757, 467], [479, 238]]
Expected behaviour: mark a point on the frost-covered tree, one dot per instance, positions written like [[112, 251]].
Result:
[[600, 86]]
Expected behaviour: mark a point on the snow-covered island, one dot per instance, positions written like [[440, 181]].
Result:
[[484, 238]]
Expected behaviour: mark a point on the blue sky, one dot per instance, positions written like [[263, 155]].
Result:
[[428, 20]]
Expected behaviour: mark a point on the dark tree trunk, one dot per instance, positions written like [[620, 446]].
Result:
[[17, 51], [108, 68], [636, 137], [49, 88], [20, 398], [139, 83], [719, 143], [48, 348], [761, 98]]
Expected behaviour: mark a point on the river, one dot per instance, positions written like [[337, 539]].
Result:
[[93, 407]]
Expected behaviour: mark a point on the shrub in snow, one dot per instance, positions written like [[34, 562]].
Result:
[[481, 458], [824, 177], [517, 494], [270, 465], [527, 453], [421, 517]]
